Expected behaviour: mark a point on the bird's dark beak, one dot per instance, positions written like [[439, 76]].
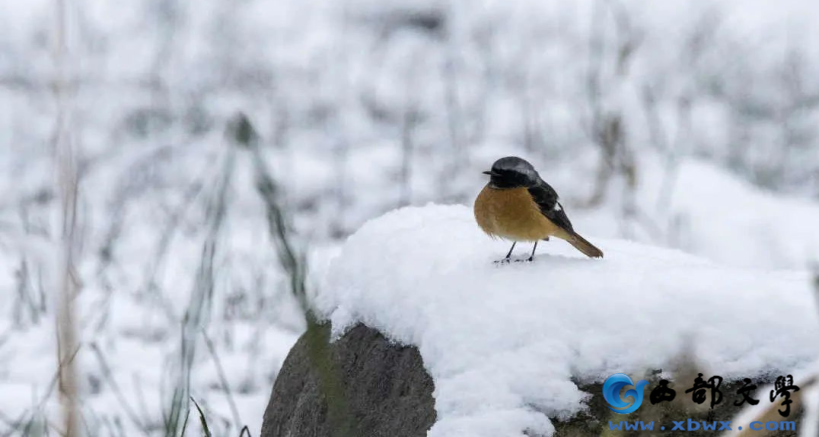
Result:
[[488, 172]]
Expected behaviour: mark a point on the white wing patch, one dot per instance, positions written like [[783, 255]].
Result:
[[558, 206]]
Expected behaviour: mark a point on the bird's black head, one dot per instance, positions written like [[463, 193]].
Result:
[[512, 172]]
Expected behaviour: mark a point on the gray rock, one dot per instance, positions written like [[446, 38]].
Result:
[[381, 389]]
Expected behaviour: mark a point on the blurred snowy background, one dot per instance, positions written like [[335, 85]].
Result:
[[686, 124]]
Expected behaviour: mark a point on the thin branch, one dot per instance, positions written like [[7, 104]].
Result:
[[66, 163]]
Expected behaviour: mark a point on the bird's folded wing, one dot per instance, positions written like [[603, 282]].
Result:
[[547, 200]]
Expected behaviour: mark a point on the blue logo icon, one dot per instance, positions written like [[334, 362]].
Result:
[[611, 391]]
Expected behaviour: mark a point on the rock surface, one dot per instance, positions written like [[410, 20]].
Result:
[[383, 388]]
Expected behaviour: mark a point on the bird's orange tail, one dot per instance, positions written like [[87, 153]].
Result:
[[584, 246]]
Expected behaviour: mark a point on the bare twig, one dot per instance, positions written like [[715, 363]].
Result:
[[66, 162]]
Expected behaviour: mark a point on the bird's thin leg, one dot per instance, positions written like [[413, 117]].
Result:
[[532, 256], [509, 255]]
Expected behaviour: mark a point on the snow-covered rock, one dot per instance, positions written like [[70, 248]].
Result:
[[504, 343], [380, 389]]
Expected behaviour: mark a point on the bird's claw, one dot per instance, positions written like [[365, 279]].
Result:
[[503, 261], [525, 260]]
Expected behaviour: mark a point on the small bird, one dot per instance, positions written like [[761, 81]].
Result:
[[518, 205]]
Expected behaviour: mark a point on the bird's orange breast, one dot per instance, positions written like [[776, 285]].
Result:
[[513, 214]]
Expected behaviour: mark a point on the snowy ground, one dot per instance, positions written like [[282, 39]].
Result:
[[711, 212], [503, 342], [364, 106]]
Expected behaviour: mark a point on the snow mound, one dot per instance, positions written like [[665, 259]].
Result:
[[503, 343]]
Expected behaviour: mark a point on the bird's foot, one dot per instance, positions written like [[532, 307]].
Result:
[[503, 261], [524, 260]]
